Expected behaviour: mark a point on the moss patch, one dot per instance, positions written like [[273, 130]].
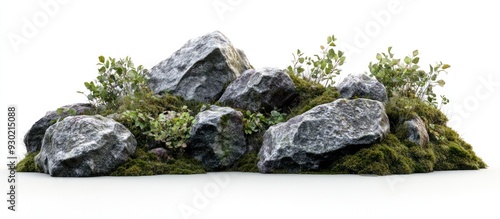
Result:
[[400, 109], [28, 164], [310, 94], [144, 163], [386, 157], [247, 163], [452, 153]]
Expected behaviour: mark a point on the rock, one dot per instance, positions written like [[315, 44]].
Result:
[[362, 86], [33, 139], [417, 133], [161, 153], [200, 70], [266, 89], [81, 146], [307, 140], [217, 138]]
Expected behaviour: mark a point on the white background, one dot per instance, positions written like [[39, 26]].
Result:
[[47, 54]]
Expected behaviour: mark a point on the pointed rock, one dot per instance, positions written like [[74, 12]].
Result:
[[200, 70]]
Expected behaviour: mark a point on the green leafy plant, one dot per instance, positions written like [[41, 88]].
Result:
[[171, 128], [322, 68], [256, 122], [404, 77], [116, 79]]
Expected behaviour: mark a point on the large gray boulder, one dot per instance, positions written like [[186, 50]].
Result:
[[200, 70], [33, 139], [265, 89], [217, 138], [81, 146], [362, 86], [417, 133], [305, 141]]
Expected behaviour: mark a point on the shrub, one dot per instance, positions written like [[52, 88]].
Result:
[[115, 80], [171, 128], [322, 68], [257, 122], [404, 77]]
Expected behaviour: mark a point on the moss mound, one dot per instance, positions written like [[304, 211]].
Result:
[[396, 155], [393, 155], [145, 163], [310, 94], [28, 164]]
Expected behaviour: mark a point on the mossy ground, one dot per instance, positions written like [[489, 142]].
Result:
[[145, 163], [393, 155], [28, 164]]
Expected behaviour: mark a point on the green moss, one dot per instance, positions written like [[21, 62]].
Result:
[[144, 163], [452, 153], [310, 94], [400, 109], [154, 104], [28, 164], [247, 163], [386, 157]]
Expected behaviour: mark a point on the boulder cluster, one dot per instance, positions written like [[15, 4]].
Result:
[[211, 70]]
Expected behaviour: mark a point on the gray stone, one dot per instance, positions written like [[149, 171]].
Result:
[[200, 70], [33, 139], [417, 133], [81, 146], [161, 153], [255, 90], [217, 138], [362, 86], [307, 140]]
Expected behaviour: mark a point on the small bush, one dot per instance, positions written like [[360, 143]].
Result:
[[404, 77], [258, 122], [171, 128], [322, 68], [116, 79]]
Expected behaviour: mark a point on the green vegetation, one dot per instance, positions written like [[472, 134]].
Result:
[[322, 68], [258, 122], [247, 163], [146, 163], [171, 128], [165, 120], [403, 77], [116, 79], [28, 164]]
